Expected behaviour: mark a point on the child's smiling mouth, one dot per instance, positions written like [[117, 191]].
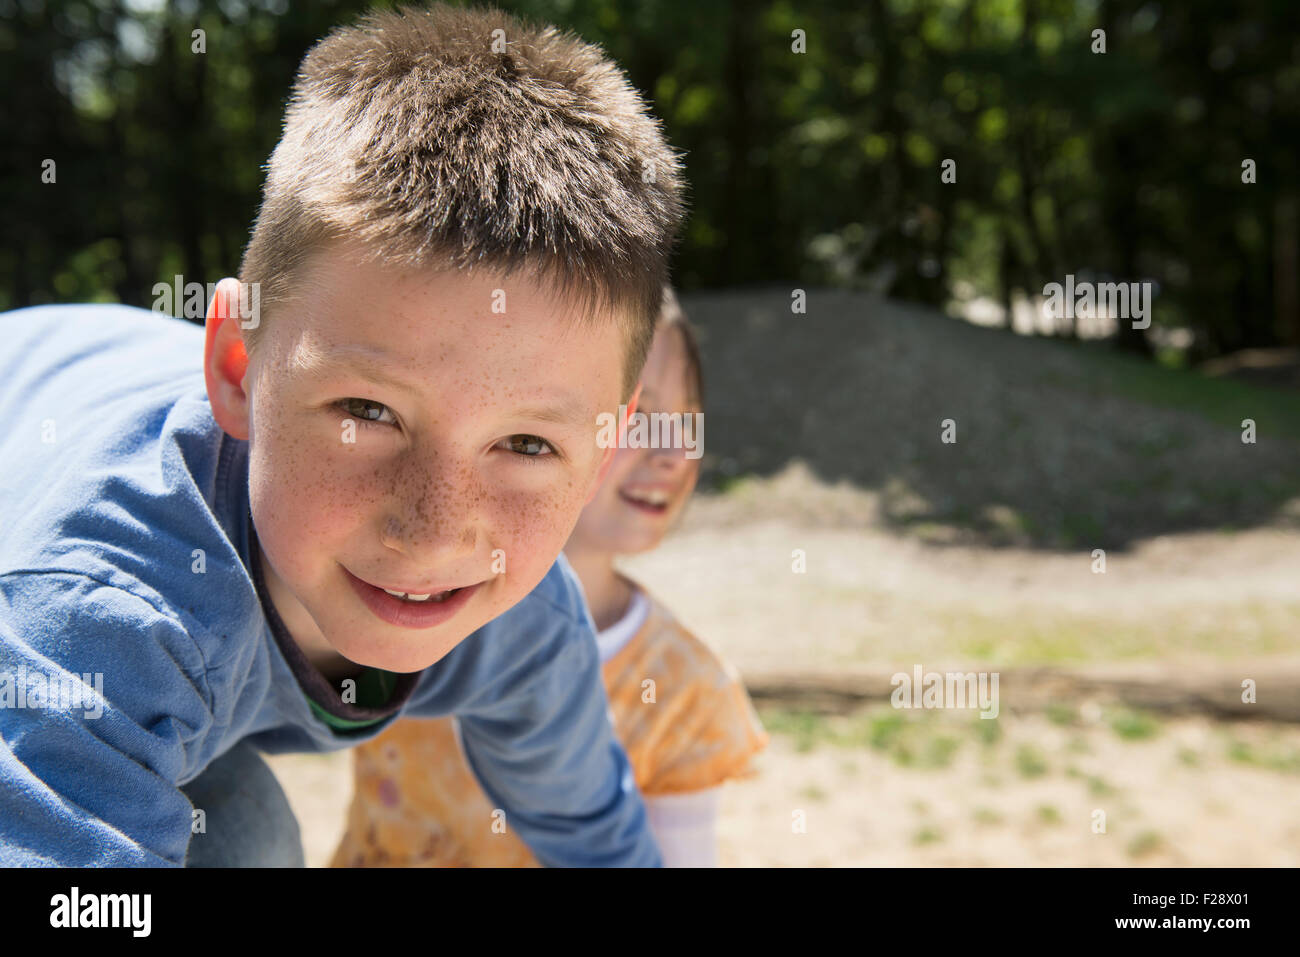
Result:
[[407, 610], [651, 499]]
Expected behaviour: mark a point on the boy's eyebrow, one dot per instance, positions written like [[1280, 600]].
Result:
[[370, 362], [362, 359], [565, 411]]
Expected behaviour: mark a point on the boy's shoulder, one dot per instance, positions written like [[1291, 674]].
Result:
[[665, 640], [116, 474], [559, 593], [703, 729]]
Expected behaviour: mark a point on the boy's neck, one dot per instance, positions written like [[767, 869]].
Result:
[[608, 593]]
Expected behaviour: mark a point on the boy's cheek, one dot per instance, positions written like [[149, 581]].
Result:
[[625, 462], [304, 517], [533, 544]]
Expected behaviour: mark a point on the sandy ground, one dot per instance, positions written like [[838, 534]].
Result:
[[1178, 798], [871, 595]]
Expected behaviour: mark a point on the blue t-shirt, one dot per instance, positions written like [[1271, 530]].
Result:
[[135, 649]]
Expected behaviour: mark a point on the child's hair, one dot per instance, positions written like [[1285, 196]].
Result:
[[671, 315], [467, 138]]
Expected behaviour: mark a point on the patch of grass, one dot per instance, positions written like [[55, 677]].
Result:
[[1145, 843], [1273, 757], [913, 746], [1047, 814], [1045, 639], [806, 727], [885, 730], [1189, 757], [927, 835], [1030, 761], [988, 731], [911, 740], [1223, 401], [813, 793], [1062, 713], [1080, 528], [1133, 725], [731, 484], [938, 751], [986, 816], [1098, 787]]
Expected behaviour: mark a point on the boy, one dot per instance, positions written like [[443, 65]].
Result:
[[459, 263]]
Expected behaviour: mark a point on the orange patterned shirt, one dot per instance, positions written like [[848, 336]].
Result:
[[680, 711]]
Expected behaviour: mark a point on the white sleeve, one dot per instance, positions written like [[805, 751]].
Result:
[[684, 825]]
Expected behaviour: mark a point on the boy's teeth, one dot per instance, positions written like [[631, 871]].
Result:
[[650, 498], [440, 597]]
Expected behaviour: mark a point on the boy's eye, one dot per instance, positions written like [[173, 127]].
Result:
[[529, 445], [367, 410]]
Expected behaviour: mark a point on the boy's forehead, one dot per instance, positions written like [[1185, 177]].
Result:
[[352, 311], [554, 394]]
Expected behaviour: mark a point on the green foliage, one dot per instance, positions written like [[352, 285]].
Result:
[[821, 167], [1030, 761], [1147, 842], [1133, 725]]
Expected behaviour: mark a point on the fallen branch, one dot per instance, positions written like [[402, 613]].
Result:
[[1213, 691]]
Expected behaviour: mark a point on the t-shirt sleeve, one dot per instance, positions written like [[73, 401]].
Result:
[[98, 712], [538, 739], [710, 732]]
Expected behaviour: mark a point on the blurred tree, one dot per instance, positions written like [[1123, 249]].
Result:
[[821, 166]]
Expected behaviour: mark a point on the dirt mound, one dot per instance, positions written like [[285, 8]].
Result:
[[1058, 445]]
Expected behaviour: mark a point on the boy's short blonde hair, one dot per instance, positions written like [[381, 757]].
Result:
[[466, 138]]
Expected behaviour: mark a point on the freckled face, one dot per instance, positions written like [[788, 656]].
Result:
[[405, 436]]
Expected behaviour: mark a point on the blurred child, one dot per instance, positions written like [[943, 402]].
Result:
[[679, 710]]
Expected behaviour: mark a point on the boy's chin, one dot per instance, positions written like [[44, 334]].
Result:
[[415, 655]]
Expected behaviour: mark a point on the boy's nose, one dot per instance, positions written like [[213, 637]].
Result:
[[668, 459], [432, 540], [436, 523]]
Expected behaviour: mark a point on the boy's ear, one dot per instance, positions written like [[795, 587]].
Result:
[[608, 457], [225, 362]]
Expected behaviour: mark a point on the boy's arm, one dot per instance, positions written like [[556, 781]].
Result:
[[98, 713], [537, 736]]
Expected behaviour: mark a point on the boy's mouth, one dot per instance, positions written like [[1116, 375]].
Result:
[[412, 610], [440, 597], [652, 501]]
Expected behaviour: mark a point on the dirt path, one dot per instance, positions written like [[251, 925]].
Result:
[[1193, 793], [1177, 799], [872, 596]]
